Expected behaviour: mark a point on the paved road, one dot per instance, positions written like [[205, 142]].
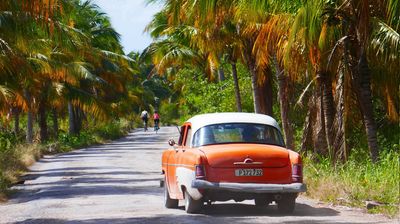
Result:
[[119, 183]]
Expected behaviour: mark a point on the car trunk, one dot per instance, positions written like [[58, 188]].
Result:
[[256, 162]]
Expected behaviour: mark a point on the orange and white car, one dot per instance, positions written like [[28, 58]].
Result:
[[225, 156]]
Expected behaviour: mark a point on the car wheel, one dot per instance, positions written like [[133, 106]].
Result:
[[286, 204], [260, 202], [191, 205], [168, 201]]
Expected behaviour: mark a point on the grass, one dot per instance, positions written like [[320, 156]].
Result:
[[356, 182], [16, 157], [14, 162]]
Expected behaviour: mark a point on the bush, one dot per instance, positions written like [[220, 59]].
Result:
[[75, 141], [355, 182], [7, 140], [3, 181], [112, 130], [169, 113], [97, 134], [14, 162]]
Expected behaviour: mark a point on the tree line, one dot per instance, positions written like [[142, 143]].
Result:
[[336, 60], [61, 60]]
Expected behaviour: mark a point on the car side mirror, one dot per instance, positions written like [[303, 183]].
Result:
[[171, 142]]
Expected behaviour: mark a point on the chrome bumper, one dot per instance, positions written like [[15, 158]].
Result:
[[251, 187]]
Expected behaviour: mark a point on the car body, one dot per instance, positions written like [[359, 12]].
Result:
[[224, 156]]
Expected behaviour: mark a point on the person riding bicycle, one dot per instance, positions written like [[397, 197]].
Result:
[[156, 118], [145, 117]]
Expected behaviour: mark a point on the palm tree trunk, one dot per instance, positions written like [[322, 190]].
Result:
[[256, 93], [16, 112], [251, 65], [237, 89], [284, 105], [358, 28], [321, 145], [71, 119], [29, 129], [266, 95], [268, 92], [339, 145], [43, 121], [307, 139], [78, 117], [55, 123], [365, 100], [328, 106], [361, 82]]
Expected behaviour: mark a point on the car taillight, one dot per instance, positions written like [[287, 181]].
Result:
[[200, 173], [297, 173]]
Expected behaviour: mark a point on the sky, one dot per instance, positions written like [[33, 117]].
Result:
[[129, 18]]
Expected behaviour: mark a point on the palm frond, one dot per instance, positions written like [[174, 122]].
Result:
[[386, 42], [116, 56], [81, 70]]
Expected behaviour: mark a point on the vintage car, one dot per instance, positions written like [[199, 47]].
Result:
[[225, 156]]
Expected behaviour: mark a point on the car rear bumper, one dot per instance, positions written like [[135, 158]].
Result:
[[251, 187]]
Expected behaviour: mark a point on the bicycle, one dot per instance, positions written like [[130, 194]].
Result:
[[145, 124], [156, 126]]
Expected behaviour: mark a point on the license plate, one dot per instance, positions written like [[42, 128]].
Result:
[[248, 172]]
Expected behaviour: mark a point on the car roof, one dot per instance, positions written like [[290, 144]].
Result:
[[202, 120]]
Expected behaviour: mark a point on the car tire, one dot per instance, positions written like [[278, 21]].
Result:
[[168, 201], [192, 206], [286, 204], [260, 202]]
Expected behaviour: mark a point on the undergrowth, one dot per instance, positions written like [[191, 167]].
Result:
[[356, 181]]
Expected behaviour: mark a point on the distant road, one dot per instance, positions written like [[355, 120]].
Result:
[[119, 183]]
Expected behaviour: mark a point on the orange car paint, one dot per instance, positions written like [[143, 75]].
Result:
[[219, 160]]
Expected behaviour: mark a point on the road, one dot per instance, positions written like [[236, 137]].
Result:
[[119, 183]]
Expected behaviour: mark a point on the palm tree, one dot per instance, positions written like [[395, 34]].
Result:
[[207, 27], [101, 69], [357, 21], [52, 57]]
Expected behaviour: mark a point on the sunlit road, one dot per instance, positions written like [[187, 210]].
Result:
[[119, 183]]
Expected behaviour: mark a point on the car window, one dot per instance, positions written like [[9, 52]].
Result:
[[237, 133], [182, 135]]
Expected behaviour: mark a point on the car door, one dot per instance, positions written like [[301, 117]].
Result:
[[182, 158], [173, 163]]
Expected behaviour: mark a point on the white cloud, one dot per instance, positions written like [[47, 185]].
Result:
[[129, 18]]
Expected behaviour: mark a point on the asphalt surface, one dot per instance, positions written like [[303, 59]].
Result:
[[119, 183]]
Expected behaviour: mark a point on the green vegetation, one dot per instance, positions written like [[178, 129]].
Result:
[[13, 162], [356, 182], [327, 70], [199, 95], [64, 81]]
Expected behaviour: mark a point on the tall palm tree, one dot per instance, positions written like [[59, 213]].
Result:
[[81, 64], [365, 25]]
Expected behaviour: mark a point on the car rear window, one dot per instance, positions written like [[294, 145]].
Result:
[[237, 133]]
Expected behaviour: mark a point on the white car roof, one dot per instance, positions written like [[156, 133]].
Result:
[[202, 120]]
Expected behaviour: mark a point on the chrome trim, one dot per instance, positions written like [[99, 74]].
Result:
[[251, 187], [244, 163]]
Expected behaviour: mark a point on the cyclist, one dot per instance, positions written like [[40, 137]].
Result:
[[156, 118], [145, 117]]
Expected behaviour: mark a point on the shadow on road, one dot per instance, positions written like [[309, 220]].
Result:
[[182, 219], [79, 171], [238, 209], [62, 192]]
